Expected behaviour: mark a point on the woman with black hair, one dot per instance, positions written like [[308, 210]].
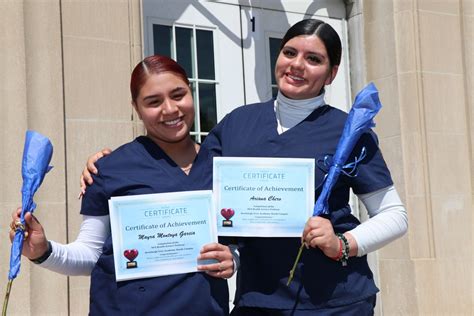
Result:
[[333, 276]]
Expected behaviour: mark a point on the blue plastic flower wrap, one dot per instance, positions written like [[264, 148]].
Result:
[[37, 154], [359, 120]]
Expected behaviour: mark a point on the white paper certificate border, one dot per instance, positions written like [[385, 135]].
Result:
[[206, 196], [307, 165]]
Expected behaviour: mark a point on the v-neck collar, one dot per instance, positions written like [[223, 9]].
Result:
[[157, 153]]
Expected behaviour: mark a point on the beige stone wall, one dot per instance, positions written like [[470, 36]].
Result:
[[31, 94], [65, 72], [102, 43], [419, 53]]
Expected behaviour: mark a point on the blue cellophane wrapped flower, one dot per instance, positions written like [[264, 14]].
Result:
[[37, 155], [359, 120]]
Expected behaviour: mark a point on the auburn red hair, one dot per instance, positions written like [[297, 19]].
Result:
[[155, 64]]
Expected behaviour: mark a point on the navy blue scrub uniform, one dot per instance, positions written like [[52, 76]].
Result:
[[320, 283], [141, 167]]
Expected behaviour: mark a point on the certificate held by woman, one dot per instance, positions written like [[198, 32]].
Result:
[[263, 197], [160, 234]]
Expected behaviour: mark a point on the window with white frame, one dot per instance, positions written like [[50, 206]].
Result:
[[274, 49], [193, 49]]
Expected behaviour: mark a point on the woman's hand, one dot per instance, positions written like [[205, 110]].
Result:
[[89, 169], [224, 268], [35, 244], [318, 232]]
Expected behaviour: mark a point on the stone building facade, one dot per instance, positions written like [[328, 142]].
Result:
[[65, 67]]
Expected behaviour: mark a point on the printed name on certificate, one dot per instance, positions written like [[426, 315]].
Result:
[[263, 197], [160, 234]]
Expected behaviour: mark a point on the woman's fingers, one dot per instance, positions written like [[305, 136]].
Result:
[[314, 227], [93, 159], [90, 169], [218, 270], [14, 222], [319, 233], [224, 267], [11, 234], [86, 177], [106, 151], [215, 252], [16, 214], [33, 223]]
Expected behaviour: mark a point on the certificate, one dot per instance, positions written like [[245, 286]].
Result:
[[263, 197], [160, 234]]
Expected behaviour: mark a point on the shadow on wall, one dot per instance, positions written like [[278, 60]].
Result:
[[245, 41]]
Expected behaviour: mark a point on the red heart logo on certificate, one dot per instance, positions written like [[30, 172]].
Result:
[[227, 213], [130, 254]]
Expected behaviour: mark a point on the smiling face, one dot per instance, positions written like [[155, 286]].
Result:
[[303, 67], [165, 105]]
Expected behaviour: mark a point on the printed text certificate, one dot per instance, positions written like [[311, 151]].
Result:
[[160, 234], [263, 197]]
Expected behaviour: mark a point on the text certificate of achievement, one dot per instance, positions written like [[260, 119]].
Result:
[[160, 234], [263, 197]]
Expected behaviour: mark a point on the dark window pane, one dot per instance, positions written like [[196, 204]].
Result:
[[274, 92], [274, 50], [205, 54], [184, 46], [207, 104], [195, 138], [193, 89], [162, 40]]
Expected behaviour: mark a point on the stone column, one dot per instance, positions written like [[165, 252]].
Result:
[[45, 113], [13, 123], [66, 66], [102, 43], [417, 53], [33, 99]]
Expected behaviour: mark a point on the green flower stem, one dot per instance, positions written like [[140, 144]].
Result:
[[7, 296], [292, 272]]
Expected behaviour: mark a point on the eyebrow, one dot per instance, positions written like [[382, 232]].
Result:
[[310, 52], [177, 89]]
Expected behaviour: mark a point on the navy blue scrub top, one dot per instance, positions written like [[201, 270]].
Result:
[[141, 167], [319, 282]]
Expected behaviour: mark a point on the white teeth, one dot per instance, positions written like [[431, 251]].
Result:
[[173, 122], [295, 78]]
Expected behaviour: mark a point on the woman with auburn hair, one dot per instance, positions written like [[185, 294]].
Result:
[[165, 160]]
